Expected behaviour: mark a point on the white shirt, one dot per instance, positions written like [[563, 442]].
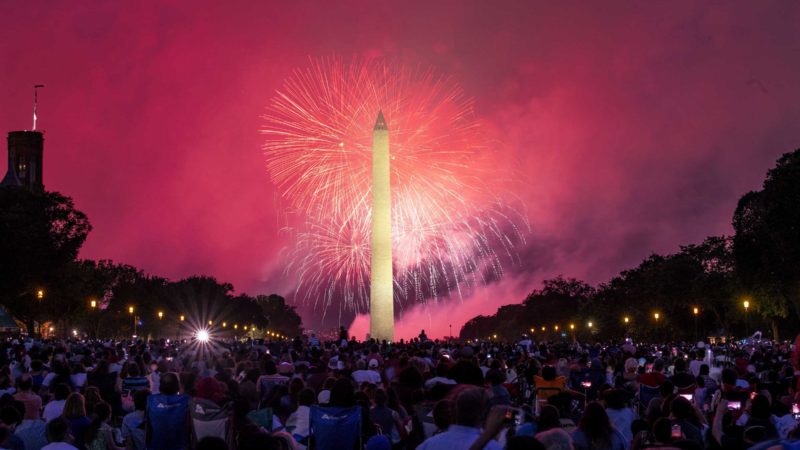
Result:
[[59, 446], [53, 409], [78, 379], [48, 378], [369, 376]]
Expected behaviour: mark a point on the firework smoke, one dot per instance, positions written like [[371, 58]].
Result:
[[451, 220]]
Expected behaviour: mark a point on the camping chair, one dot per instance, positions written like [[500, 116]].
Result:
[[646, 394], [335, 428], [209, 419], [541, 395]]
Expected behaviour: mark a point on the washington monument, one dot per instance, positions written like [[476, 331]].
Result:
[[381, 299]]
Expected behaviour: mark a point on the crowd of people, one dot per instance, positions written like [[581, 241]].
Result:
[[301, 393]]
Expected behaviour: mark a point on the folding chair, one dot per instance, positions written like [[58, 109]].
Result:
[[541, 395], [646, 394], [209, 419], [335, 428]]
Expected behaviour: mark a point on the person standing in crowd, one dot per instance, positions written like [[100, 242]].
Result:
[[58, 435], [99, 435], [76, 418], [55, 407], [470, 406], [32, 402], [595, 431], [133, 424]]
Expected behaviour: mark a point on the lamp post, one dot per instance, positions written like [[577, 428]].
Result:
[[93, 307], [746, 305], [696, 312], [130, 311]]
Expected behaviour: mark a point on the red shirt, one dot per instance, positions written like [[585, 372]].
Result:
[[652, 378]]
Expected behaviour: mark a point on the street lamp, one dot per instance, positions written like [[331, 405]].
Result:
[[626, 319], [544, 328], [746, 305], [696, 312], [656, 316], [160, 315], [224, 324], [183, 317], [210, 322], [40, 294], [130, 311], [93, 304], [590, 324]]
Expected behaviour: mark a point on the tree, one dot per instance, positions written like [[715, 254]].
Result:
[[281, 317], [40, 234], [767, 241]]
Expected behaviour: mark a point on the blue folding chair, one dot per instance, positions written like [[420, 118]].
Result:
[[335, 428], [646, 394]]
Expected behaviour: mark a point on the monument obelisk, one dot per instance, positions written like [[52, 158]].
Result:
[[381, 299]]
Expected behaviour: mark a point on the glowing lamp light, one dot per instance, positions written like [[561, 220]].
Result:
[[626, 319], [40, 294], [245, 328], [555, 327], [572, 326], [52, 329], [656, 316], [695, 311], [544, 328], [590, 324], [93, 304], [183, 317], [74, 332], [130, 309], [210, 322], [224, 324], [236, 326], [202, 336], [746, 304], [161, 314]]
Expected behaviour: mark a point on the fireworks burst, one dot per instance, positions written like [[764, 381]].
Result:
[[450, 228]]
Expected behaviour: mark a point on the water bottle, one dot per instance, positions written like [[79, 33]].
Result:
[[676, 432]]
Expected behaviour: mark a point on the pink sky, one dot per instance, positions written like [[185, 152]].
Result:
[[636, 125]]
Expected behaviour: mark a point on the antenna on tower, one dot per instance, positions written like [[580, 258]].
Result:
[[35, 102]]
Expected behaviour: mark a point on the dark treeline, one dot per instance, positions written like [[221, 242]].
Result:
[[43, 282], [699, 291]]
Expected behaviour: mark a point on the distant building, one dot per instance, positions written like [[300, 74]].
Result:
[[25, 161]]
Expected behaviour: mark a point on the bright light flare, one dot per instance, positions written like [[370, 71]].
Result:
[[202, 336]]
